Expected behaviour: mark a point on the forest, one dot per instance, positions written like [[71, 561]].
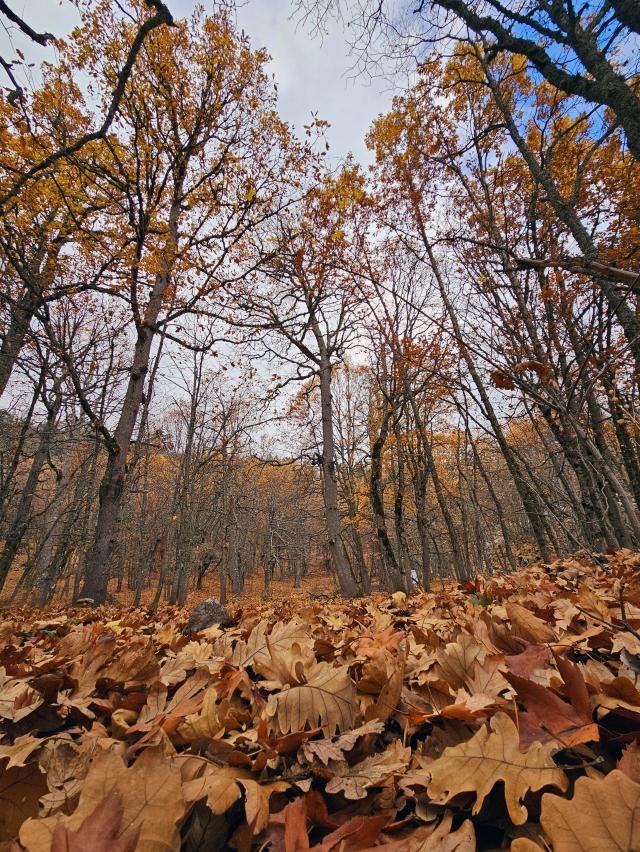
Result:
[[408, 393]]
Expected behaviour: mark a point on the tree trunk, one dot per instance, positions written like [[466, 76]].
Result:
[[348, 585], [390, 565], [420, 480], [398, 510], [113, 482], [23, 513], [44, 577]]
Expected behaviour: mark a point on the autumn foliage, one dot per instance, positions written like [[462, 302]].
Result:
[[483, 716]]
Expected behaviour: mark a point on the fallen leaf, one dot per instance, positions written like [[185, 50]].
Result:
[[527, 625], [151, 791], [602, 816], [477, 765], [629, 763], [20, 791], [444, 840], [99, 831], [327, 701], [566, 724]]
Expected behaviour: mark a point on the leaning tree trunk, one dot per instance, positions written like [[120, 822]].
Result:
[[112, 487], [23, 513]]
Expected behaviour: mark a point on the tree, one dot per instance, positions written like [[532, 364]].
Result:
[[577, 50], [198, 165], [305, 306]]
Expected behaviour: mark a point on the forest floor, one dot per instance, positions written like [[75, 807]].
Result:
[[316, 582], [493, 715]]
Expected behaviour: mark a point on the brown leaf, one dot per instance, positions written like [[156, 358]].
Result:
[[296, 838], [375, 771], [534, 657], [152, 796], [256, 803], [458, 660], [527, 625], [327, 750], [21, 750], [502, 380], [99, 831], [205, 723], [629, 763], [476, 766], [602, 816], [565, 724], [20, 791], [488, 679], [283, 635], [328, 701], [358, 833], [388, 640], [389, 695], [443, 840], [221, 791], [524, 844], [540, 369], [285, 663]]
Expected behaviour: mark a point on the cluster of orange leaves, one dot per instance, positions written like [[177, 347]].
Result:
[[492, 715]]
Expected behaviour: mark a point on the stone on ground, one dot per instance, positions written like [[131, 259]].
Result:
[[206, 614]]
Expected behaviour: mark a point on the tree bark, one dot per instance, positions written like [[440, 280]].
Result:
[[21, 520], [112, 486], [348, 585]]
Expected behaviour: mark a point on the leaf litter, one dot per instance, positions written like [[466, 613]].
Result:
[[490, 715]]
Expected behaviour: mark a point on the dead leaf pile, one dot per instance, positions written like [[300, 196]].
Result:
[[493, 715]]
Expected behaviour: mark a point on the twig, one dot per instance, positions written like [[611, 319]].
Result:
[[623, 616], [625, 627]]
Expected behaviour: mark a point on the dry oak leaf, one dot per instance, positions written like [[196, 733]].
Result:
[[458, 660], [256, 802], [375, 771], [151, 791], [566, 724], [477, 765], [488, 678], [389, 694], [629, 763], [626, 642], [327, 750], [534, 657], [327, 701], [220, 790], [285, 665], [467, 707], [524, 844], [528, 626], [359, 833], [99, 831], [444, 840], [283, 635], [205, 723], [376, 673], [21, 749], [20, 790], [602, 816], [388, 640]]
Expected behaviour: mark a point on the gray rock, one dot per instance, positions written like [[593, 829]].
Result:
[[206, 614]]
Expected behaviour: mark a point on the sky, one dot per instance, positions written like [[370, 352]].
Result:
[[313, 75]]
